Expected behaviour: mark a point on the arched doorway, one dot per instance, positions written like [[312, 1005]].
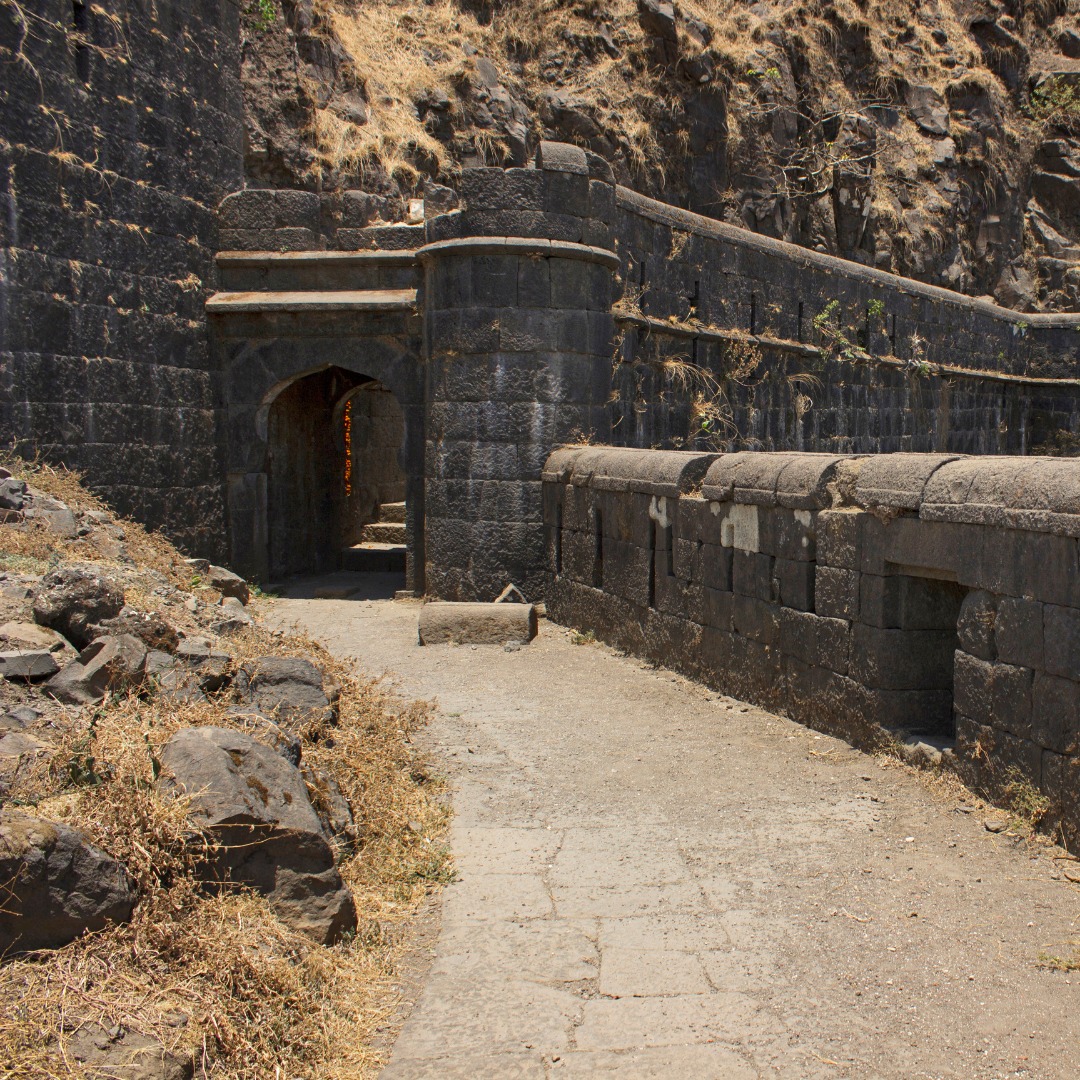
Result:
[[334, 474]]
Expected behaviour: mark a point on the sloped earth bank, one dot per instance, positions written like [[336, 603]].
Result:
[[212, 837], [656, 881]]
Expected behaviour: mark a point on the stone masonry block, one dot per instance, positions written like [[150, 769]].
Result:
[[502, 189], [1055, 713], [718, 608], [752, 575], [994, 693], [836, 592], [902, 659], [816, 641], [716, 567], [794, 584], [839, 539], [756, 619], [1018, 632], [1061, 637], [789, 534], [975, 624]]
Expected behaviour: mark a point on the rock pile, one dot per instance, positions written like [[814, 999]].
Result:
[[72, 637]]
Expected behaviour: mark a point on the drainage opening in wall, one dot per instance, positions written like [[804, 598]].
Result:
[[335, 483], [908, 645]]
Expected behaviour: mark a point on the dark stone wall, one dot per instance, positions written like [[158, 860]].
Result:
[[867, 597], [121, 130], [811, 352]]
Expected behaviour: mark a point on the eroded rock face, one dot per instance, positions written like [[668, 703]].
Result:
[[255, 805], [74, 600], [55, 884]]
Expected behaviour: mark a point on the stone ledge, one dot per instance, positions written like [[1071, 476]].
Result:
[[360, 300], [515, 245]]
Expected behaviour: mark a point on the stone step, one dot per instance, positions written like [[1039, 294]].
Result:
[[374, 558], [392, 532], [392, 512]]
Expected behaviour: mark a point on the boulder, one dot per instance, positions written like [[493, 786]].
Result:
[[290, 690], [56, 884], [108, 664], [476, 624], [149, 627], [227, 583], [27, 665], [265, 731], [211, 667], [24, 635], [74, 600], [12, 493], [658, 19], [255, 806]]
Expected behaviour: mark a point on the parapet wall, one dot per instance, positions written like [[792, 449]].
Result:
[[852, 359], [902, 593]]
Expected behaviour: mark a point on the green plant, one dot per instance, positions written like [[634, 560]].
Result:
[[587, 637], [1056, 103], [828, 324], [875, 309], [265, 13]]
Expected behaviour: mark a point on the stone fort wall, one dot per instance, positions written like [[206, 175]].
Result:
[[121, 131], [557, 306], [892, 596]]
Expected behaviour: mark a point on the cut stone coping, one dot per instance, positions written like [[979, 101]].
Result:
[[1036, 494], [666, 473], [792, 479], [897, 480], [443, 622], [225, 303], [517, 245]]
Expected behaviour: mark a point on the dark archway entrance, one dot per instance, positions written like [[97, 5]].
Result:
[[334, 476]]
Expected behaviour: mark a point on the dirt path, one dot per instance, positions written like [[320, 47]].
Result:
[[657, 881]]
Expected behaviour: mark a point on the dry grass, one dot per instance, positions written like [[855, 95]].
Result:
[[258, 1000], [216, 978], [34, 547]]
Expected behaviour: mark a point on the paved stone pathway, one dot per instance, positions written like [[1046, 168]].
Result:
[[656, 881]]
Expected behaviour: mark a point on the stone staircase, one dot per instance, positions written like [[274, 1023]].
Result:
[[382, 548]]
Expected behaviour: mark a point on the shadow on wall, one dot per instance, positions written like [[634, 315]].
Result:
[[333, 444]]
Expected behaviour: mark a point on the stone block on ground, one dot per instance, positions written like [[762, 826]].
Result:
[[55, 884], [73, 600], [476, 624], [290, 690], [255, 805], [27, 665], [227, 583], [108, 664], [25, 635]]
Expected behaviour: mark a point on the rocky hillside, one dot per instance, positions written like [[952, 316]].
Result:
[[210, 832], [939, 139]]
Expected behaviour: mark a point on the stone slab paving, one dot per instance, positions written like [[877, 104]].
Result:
[[655, 881]]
